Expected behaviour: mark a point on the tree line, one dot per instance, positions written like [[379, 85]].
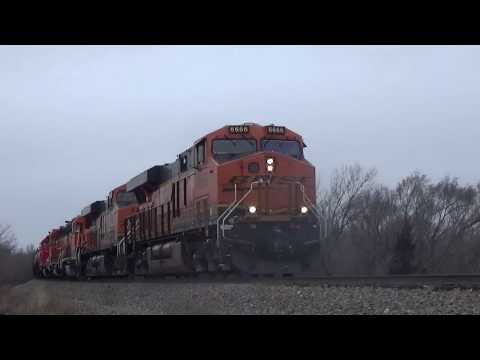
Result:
[[15, 262], [419, 226]]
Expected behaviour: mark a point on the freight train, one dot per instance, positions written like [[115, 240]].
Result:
[[240, 199]]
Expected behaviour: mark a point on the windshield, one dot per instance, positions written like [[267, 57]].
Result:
[[227, 149], [287, 147], [126, 199]]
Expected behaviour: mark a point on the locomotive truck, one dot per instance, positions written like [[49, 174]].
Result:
[[240, 199]]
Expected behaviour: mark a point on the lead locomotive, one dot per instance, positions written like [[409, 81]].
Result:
[[240, 199]]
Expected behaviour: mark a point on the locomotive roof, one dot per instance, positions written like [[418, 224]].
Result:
[[253, 128], [150, 177], [94, 208]]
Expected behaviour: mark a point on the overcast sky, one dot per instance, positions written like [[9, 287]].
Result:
[[76, 121]]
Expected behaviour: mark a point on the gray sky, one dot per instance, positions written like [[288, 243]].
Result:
[[76, 121]]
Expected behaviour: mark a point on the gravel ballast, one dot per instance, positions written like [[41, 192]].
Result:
[[63, 297]]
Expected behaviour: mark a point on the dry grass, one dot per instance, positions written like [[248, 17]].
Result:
[[15, 268], [4, 299], [28, 299]]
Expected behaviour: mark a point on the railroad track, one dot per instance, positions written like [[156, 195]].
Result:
[[440, 281]]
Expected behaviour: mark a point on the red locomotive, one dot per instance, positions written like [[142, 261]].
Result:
[[242, 198]]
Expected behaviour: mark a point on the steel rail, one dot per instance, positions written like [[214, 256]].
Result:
[[440, 281]]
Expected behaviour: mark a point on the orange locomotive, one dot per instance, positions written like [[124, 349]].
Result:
[[242, 198], [86, 245]]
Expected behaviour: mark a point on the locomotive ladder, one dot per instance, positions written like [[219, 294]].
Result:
[[121, 245], [231, 208]]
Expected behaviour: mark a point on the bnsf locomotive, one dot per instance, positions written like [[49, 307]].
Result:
[[241, 199]]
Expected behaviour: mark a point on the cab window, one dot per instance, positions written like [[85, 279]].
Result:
[[200, 153], [183, 163], [287, 147], [228, 149]]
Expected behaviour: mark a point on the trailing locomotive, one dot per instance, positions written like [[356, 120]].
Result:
[[241, 198]]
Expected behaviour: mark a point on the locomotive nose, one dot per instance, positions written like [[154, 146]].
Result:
[[271, 183]]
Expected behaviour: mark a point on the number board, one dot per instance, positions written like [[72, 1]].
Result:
[[241, 129], [277, 130]]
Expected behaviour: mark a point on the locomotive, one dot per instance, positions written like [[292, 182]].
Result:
[[240, 199]]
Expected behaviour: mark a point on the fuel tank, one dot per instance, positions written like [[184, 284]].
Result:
[[167, 258]]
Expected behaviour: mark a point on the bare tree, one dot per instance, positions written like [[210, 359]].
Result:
[[402, 261], [15, 262], [441, 216], [371, 231], [7, 240], [418, 226], [455, 216], [337, 206], [412, 204]]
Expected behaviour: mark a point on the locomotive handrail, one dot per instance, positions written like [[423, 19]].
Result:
[[316, 212], [223, 214], [228, 212], [121, 245], [307, 200]]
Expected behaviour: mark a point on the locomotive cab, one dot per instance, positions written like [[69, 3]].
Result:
[[106, 235], [119, 205]]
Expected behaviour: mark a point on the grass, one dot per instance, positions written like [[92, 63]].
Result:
[[32, 299]]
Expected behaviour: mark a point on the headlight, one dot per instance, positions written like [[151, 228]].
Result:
[[252, 209], [269, 168], [270, 161], [304, 209]]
